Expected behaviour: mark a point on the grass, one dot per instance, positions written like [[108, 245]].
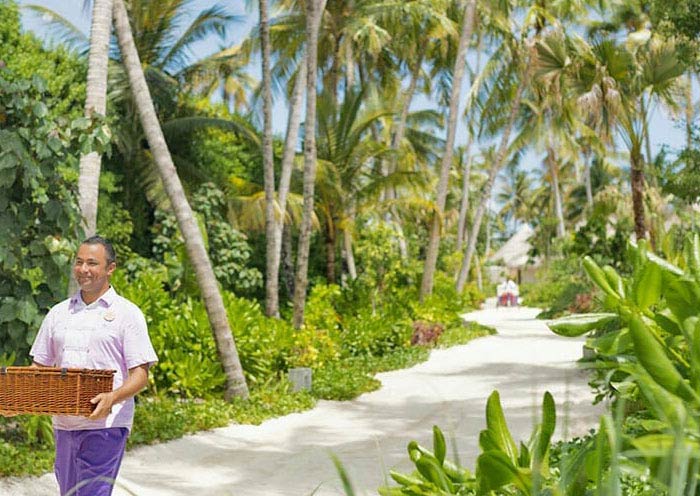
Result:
[[160, 418]]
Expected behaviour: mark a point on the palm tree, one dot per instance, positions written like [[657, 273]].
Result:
[[446, 164], [95, 101], [313, 17], [271, 215], [505, 77], [194, 243], [615, 87]]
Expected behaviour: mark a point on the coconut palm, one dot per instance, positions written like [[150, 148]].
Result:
[[194, 243], [95, 101], [616, 85], [441, 194], [314, 13]]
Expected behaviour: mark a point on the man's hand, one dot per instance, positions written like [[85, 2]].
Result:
[[104, 402]]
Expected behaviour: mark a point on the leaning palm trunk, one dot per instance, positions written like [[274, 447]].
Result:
[[95, 101], [313, 18], [293, 123], [434, 240], [271, 221], [558, 209], [194, 243], [486, 190], [464, 205]]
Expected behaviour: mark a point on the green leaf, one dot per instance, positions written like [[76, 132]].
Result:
[[546, 430], [579, 324], [496, 424], [8, 310], [39, 109], [662, 445], [496, 470], [647, 287], [439, 447], [655, 361], [683, 298], [598, 276]]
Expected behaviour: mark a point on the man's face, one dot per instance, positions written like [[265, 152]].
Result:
[[91, 269]]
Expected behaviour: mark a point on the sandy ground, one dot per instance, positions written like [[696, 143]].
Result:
[[291, 455]]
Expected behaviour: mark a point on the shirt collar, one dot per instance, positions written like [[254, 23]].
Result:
[[105, 300]]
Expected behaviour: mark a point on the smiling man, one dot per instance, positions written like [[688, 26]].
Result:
[[95, 329]]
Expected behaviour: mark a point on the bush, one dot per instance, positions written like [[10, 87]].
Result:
[[561, 287]]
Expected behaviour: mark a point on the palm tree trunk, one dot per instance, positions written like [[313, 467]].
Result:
[[486, 195], [194, 243], [288, 261], [558, 209], [460, 63], [637, 180], [587, 177], [271, 220], [349, 256], [313, 15], [95, 101], [689, 112], [290, 143], [464, 202], [330, 252]]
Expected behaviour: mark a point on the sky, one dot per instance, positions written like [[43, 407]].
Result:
[[663, 130]]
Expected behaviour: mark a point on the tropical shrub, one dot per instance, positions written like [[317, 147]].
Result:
[[38, 206], [647, 346]]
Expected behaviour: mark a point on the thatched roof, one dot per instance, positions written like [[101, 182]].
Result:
[[514, 252]]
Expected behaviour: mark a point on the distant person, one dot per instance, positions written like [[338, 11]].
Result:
[[95, 329], [502, 294], [513, 293]]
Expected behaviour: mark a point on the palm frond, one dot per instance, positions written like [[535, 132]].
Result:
[[67, 33], [214, 20], [176, 128]]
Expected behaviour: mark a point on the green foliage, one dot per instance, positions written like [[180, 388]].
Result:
[[39, 219], [64, 72], [558, 285], [228, 248], [647, 356]]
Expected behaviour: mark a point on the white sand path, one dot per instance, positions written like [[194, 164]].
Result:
[[289, 456]]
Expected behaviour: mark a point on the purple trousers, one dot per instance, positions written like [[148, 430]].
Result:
[[87, 461]]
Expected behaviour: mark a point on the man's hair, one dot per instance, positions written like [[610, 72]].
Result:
[[99, 240]]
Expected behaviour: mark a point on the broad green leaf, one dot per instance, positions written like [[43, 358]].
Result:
[[683, 298], [666, 320], [579, 324], [612, 343], [615, 280], [661, 445], [597, 275], [431, 470], [653, 358], [439, 447], [495, 470], [667, 267], [544, 437], [496, 423], [647, 287], [665, 406], [8, 310]]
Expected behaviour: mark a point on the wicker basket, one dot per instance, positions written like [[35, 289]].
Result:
[[53, 391]]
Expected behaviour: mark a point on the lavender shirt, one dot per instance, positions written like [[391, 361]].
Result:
[[109, 333]]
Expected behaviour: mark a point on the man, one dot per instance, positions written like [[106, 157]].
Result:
[[96, 329]]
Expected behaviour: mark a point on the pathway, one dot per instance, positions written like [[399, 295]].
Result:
[[289, 456]]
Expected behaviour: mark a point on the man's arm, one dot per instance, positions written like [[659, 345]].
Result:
[[137, 380]]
